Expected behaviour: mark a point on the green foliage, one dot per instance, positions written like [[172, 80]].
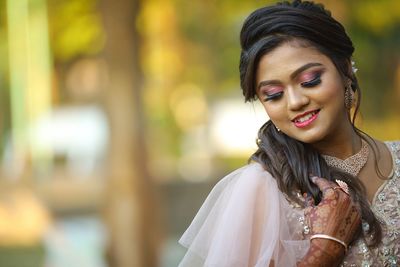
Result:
[[197, 42], [22, 256], [374, 27], [204, 35], [75, 28], [376, 17]]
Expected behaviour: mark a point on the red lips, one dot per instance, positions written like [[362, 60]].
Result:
[[310, 117], [305, 113]]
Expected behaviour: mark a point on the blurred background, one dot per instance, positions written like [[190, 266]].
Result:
[[118, 117]]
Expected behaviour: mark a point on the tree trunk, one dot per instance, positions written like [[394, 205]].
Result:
[[129, 208]]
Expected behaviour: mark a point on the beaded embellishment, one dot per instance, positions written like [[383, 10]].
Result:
[[353, 164]]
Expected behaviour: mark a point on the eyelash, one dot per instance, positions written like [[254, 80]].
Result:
[[314, 82], [273, 96]]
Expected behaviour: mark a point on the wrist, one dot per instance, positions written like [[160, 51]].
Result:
[[330, 244], [323, 253], [330, 247]]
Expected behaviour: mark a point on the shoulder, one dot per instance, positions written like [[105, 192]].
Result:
[[394, 146], [239, 193], [388, 153], [253, 168], [245, 183], [251, 177], [394, 149], [240, 223], [232, 221]]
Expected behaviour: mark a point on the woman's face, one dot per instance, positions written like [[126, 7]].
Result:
[[302, 93]]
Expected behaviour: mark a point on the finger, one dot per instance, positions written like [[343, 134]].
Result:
[[309, 204], [330, 193], [309, 201], [323, 185], [307, 211], [343, 186], [340, 193]]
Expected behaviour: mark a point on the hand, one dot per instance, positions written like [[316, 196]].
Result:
[[337, 216]]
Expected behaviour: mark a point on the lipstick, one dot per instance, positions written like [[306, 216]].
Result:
[[305, 119]]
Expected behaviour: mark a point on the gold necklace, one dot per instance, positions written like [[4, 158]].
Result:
[[353, 164]]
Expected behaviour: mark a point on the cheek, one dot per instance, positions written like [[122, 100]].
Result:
[[274, 111], [333, 92]]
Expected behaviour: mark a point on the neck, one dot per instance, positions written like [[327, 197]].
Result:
[[341, 146]]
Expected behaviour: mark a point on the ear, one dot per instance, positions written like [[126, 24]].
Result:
[[350, 74], [349, 68]]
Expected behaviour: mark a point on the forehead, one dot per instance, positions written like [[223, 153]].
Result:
[[287, 58]]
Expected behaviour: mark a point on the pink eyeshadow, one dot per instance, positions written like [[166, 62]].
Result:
[[272, 90], [308, 76]]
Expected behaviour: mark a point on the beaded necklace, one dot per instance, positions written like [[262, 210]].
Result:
[[353, 164]]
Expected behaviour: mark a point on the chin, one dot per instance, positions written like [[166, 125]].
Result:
[[309, 137]]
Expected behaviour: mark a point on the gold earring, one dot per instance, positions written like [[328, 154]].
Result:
[[258, 141], [348, 96]]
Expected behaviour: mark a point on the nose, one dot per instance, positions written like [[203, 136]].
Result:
[[296, 99]]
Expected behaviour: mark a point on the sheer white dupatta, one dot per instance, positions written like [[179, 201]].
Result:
[[243, 222]]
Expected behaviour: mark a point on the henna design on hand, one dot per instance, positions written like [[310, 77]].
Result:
[[337, 216]]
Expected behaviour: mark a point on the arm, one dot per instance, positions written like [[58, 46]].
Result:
[[323, 253], [319, 255]]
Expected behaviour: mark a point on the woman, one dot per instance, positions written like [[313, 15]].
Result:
[[278, 211]]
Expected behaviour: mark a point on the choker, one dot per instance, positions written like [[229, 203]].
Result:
[[353, 164]]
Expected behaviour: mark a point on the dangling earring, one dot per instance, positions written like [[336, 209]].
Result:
[[277, 129], [348, 95]]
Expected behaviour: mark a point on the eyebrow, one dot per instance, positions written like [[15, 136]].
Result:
[[292, 76]]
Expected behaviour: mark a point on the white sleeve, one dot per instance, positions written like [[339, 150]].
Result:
[[242, 223]]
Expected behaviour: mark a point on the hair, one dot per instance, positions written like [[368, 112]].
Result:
[[288, 160]]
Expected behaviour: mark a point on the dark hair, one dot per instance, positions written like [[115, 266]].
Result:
[[288, 160]]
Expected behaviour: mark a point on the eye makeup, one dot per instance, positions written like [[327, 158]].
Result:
[[311, 79], [273, 96], [271, 92]]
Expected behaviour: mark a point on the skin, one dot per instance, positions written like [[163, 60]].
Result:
[[294, 79], [331, 126], [331, 133], [327, 218]]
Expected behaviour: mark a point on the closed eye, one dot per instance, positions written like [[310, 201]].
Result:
[[275, 96], [311, 83]]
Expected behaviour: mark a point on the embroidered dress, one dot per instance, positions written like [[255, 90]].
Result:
[[386, 206], [247, 221]]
